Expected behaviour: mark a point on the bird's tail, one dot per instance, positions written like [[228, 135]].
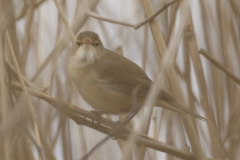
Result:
[[179, 108]]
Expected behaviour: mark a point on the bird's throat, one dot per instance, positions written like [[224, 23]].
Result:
[[86, 53]]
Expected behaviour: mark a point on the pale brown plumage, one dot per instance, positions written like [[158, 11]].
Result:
[[109, 81]]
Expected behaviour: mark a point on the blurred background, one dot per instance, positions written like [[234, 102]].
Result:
[[42, 47]]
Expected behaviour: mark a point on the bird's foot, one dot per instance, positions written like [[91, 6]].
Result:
[[120, 122], [98, 113]]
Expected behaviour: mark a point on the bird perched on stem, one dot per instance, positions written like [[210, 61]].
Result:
[[108, 81]]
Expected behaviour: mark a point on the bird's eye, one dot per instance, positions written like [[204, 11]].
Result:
[[78, 43], [96, 43]]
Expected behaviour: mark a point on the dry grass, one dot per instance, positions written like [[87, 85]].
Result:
[[39, 104]]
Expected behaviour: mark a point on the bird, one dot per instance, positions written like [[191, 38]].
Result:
[[108, 81]]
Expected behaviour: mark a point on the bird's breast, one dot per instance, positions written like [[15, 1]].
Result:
[[80, 72], [80, 62]]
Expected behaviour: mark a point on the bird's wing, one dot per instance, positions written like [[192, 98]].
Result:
[[122, 75]]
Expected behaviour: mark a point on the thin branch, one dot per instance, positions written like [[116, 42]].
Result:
[[165, 6], [168, 58], [28, 83], [72, 35], [220, 66], [29, 104], [61, 45], [204, 95], [86, 118], [23, 11], [135, 26]]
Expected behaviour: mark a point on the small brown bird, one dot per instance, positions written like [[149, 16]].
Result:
[[108, 81]]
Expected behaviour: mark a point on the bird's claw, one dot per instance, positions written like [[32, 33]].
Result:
[[98, 113]]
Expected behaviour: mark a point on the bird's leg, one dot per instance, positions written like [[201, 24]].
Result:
[[136, 107], [98, 113], [121, 124]]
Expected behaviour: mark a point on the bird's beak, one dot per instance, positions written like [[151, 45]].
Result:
[[87, 42]]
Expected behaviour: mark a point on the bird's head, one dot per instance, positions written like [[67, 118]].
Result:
[[89, 47]]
